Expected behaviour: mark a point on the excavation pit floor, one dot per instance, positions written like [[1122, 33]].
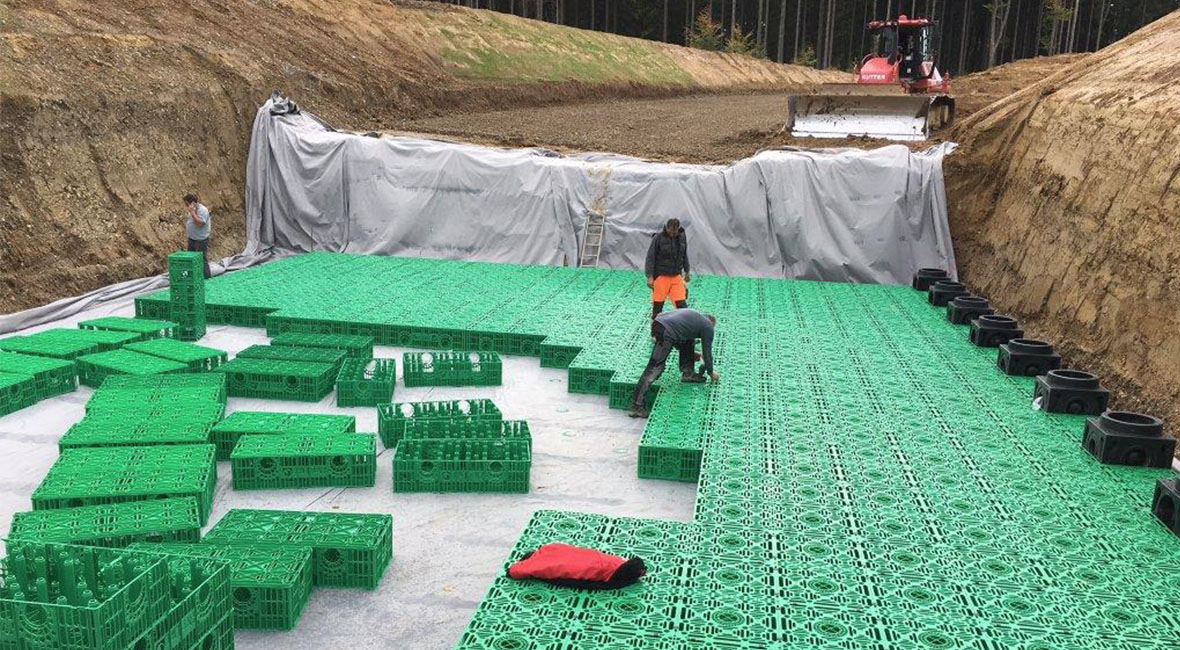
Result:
[[865, 477]]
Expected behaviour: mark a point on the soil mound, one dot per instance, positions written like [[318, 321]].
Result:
[[1065, 206]]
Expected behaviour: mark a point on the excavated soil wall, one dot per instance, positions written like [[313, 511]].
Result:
[[1065, 208], [111, 110]]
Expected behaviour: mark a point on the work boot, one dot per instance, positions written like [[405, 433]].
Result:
[[692, 378], [638, 411]]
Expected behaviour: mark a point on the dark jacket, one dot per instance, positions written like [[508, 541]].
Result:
[[667, 255], [687, 324]]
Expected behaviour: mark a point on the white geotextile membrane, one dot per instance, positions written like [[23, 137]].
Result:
[[446, 547], [843, 215]]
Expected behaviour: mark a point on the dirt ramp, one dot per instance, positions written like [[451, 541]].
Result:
[[1065, 207]]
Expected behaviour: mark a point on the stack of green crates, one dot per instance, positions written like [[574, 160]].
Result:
[[393, 418], [348, 550], [463, 456], [186, 277], [112, 525], [366, 382], [271, 586], [225, 434], [261, 462], [451, 369]]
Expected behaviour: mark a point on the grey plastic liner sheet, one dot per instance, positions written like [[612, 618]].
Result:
[[832, 214]]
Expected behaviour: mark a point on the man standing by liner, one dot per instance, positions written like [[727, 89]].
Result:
[[197, 228], [667, 267], [677, 329]]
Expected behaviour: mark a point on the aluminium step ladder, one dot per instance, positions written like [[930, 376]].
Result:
[[592, 239]]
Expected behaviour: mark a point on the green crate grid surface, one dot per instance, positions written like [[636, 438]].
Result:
[[866, 476], [275, 379], [261, 462], [183, 423], [48, 343], [449, 368], [348, 550], [99, 475], [366, 382], [353, 345], [145, 328], [112, 525], [225, 434], [393, 418], [271, 586], [64, 597], [94, 368], [151, 392], [295, 353], [198, 358]]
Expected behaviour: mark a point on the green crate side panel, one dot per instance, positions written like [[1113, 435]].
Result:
[[271, 586], [102, 475], [354, 345], [462, 465], [837, 403], [51, 376], [154, 306], [16, 392], [349, 550], [225, 434], [114, 525], [144, 327], [366, 382], [273, 379], [302, 461], [94, 368], [69, 597], [201, 600], [447, 368], [197, 357]]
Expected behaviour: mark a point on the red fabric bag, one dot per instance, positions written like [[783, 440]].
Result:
[[574, 566]]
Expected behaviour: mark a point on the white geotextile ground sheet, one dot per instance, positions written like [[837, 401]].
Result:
[[836, 214], [447, 548]]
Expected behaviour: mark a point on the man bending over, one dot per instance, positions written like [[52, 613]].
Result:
[[677, 329]]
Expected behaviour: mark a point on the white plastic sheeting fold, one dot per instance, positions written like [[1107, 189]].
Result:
[[835, 214]]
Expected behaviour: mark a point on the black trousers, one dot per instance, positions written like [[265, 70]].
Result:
[[201, 245], [659, 357]]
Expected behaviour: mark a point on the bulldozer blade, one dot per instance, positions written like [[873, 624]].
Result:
[[888, 116]]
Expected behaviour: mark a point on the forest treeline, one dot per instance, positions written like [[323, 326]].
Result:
[[975, 34]]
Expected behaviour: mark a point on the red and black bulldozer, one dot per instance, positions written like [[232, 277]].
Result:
[[899, 94]]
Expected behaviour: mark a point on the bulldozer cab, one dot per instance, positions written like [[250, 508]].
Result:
[[913, 45]]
